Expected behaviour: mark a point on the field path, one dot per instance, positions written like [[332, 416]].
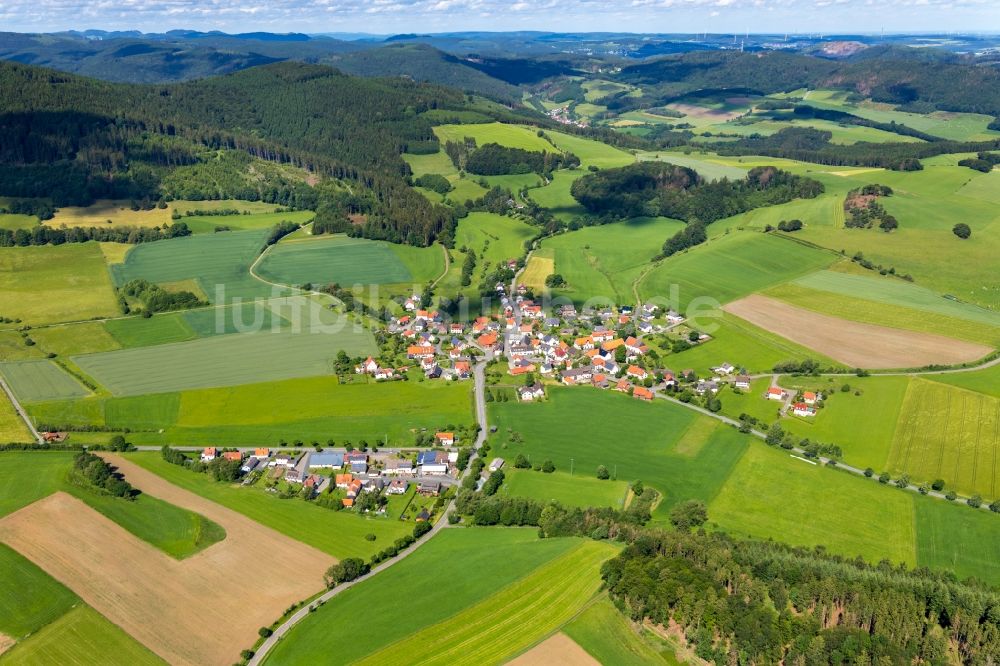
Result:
[[447, 266]]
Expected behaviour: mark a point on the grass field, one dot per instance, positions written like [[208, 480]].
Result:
[[46, 284], [608, 636], [582, 489], [732, 266], [310, 409], [958, 539], [984, 381], [175, 531], [206, 224], [771, 495], [119, 212], [339, 259], [15, 221], [81, 637], [541, 265], [29, 598], [512, 136], [222, 360], [41, 380], [707, 166], [511, 619], [479, 561], [863, 426], [604, 261], [583, 428], [81, 338], [337, 533], [951, 434], [215, 260]]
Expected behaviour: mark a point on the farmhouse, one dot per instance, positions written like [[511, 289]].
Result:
[[397, 487], [262, 453], [742, 382], [775, 393], [724, 369], [209, 454], [533, 392], [419, 351], [232, 456], [368, 366], [445, 438], [343, 480], [636, 372], [641, 393], [809, 397], [802, 409], [394, 466], [250, 465], [429, 487], [433, 462], [577, 376]]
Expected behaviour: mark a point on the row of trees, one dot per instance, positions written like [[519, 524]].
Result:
[[91, 470], [157, 299], [45, 235]]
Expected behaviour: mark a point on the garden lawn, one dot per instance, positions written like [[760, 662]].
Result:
[[41, 380], [54, 283], [215, 260], [610, 638], [479, 561], [81, 637], [949, 433], [771, 495], [511, 619], [586, 427], [339, 533], [582, 489]]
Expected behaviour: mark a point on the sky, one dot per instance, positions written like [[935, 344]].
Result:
[[396, 16]]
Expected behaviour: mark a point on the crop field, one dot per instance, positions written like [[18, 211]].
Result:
[[862, 425], [891, 291], [541, 265], [958, 539], [215, 260], [100, 212], [79, 638], [771, 495], [581, 428], [508, 555], [12, 428], [336, 259], [854, 344], [951, 434], [510, 620], [582, 489], [337, 533], [512, 136], [604, 261], [222, 360], [29, 599], [80, 338], [731, 266], [884, 314], [41, 380], [13, 347], [175, 531], [141, 589], [45, 284], [610, 638], [160, 329]]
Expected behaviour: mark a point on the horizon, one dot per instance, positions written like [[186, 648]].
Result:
[[761, 17]]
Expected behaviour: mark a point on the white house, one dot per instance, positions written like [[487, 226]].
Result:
[[775, 393]]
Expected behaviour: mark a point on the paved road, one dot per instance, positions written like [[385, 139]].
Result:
[[479, 375], [20, 411]]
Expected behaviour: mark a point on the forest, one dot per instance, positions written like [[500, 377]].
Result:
[[754, 602]]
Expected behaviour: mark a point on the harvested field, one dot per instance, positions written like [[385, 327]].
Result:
[[538, 268], [701, 112], [558, 650], [852, 343], [143, 591], [6, 643]]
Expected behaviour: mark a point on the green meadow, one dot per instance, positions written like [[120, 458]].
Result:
[[177, 532], [512, 136], [732, 266], [494, 239], [214, 260], [582, 488], [79, 338], [708, 166], [52, 283], [338, 533], [610, 638], [206, 224], [479, 563], [984, 381], [342, 260], [643, 441], [12, 428]]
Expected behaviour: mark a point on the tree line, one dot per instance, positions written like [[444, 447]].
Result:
[[45, 235]]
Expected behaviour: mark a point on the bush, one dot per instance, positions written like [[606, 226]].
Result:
[[938, 485], [961, 230], [370, 537], [264, 632], [686, 515], [975, 501], [548, 467], [348, 570], [869, 472], [883, 477], [421, 529], [603, 473], [522, 462], [951, 496]]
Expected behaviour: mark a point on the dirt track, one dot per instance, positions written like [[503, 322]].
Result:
[[558, 650], [202, 610], [6, 643], [854, 344]]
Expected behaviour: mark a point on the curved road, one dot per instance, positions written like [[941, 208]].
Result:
[[479, 383]]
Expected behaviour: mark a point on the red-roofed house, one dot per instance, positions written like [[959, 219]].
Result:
[[775, 393], [209, 453], [642, 393], [445, 438]]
